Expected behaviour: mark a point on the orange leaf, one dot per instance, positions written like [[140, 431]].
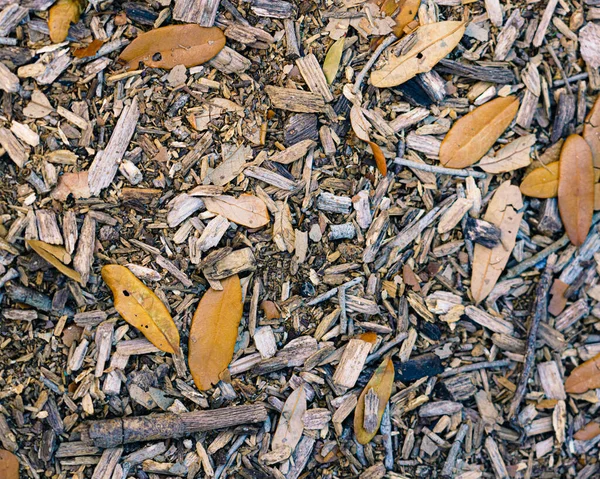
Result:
[[166, 47], [361, 128], [141, 308], [584, 377], [214, 331], [597, 197], [403, 11], [576, 188], [588, 432], [9, 465], [369, 337], [541, 182], [56, 256], [89, 50], [60, 17], [381, 383], [591, 134], [475, 133], [246, 210]]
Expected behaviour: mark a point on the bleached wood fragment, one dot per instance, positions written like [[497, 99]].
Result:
[[293, 153], [143, 272], [72, 118], [370, 421], [10, 17], [343, 231], [551, 380], [313, 76], [229, 61], [76, 360], [264, 339], [174, 270], [236, 262], [108, 463], [327, 142], [496, 458], [352, 362], [82, 262], [181, 207], [13, 147], [283, 231], [112, 383], [316, 418], [454, 215], [9, 82], [511, 31], [360, 201], [270, 177], [25, 134], [486, 320], [295, 100], [104, 338], [202, 12], [130, 171], [408, 119], [300, 245], [334, 204], [212, 234], [538, 39], [48, 227]]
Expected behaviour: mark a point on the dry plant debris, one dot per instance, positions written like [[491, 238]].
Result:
[[292, 239]]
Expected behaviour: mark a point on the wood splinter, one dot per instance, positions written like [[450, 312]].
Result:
[[114, 432]]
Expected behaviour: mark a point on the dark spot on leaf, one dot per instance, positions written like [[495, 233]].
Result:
[[126, 293], [157, 57]]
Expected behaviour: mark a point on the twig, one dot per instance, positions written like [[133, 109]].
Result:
[[386, 432], [540, 313], [343, 316], [475, 367], [384, 349], [573, 79], [560, 67], [447, 470], [391, 38], [439, 169], [536, 258], [236, 445], [332, 292]]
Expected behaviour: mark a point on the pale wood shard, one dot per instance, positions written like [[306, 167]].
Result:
[[25, 134], [327, 142], [229, 61], [351, 363], [551, 380], [47, 226], [236, 262], [370, 420], [106, 163], [13, 147], [544, 22], [182, 207], [408, 119], [202, 12], [212, 234], [334, 204], [496, 458], [494, 11], [293, 153], [271, 9], [509, 34], [108, 463], [270, 178], [314, 77], [571, 315], [486, 320], [84, 257], [264, 339], [283, 231], [72, 118], [103, 339], [174, 270], [295, 100], [9, 82]]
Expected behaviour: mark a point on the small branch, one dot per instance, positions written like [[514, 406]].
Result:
[[332, 292], [475, 367], [540, 313], [439, 169], [448, 469], [536, 258], [391, 38], [560, 67]]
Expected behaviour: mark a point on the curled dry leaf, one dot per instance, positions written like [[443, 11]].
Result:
[[488, 264], [60, 17], [541, 182], [576, 188], [511, 157], [57, 256], [428, 45], [290, 427], [584, 377], [166, 47], [9, 465], [591, 134], [381, 383], [141, 308], [403, 11], [588, 432], [475, 133], [331, 64], [246, 210], [361, 128], [214, 331]]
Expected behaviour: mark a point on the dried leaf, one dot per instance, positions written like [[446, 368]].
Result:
[[381, 382], [246, 210], [429, 45], [283, 231], [361, 128], [290, 427], [584, 377], [60, 17], [576, 188], [333, 59], [214, 331], [597, 197], [89, 50], [541, 182], [166, 47], [141, 308], [488, 264], [75, 183], [588, 432], [270, 310], [475, 133], [591, 134], [56, 256], [511, 157], [9, 465], [403, 11]]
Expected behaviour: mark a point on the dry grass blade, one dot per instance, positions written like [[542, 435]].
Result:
[[60, 17], [214, 331], [541, 182], [475, 133], [488, 264], [430, 44], [584, 377], [166, 47], [141, 308], [246, 210], [576, 188], [56, 256], [591, 134], [381, 383]]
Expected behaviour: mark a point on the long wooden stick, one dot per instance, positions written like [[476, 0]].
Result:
[[114, 432]]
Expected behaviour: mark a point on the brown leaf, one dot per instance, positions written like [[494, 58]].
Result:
[[361, 128], [89, 50], [214, 331], [141, 308], [381, 382], [75, 183], [584, 377], [9, 465], [541, 182], [488, 264], [576, 188], [290, 427], [270, 310], [166, 47], [56, 256], [246, 210], [510, 157], [403, 11], [60, 17], [591, 134], [475, 133], [427, 46], [597, 197], [588, 432]]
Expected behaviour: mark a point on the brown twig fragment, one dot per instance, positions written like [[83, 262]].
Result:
[[391, 38]]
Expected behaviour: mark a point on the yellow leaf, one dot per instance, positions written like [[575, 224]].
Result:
[[56, 256], [332, 60], [475, 133], [541, 182], [381, 383], [60, 17], [141, 308], [214, 331], [246, 210], [424, 48], [166, 47], [488, 264]]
